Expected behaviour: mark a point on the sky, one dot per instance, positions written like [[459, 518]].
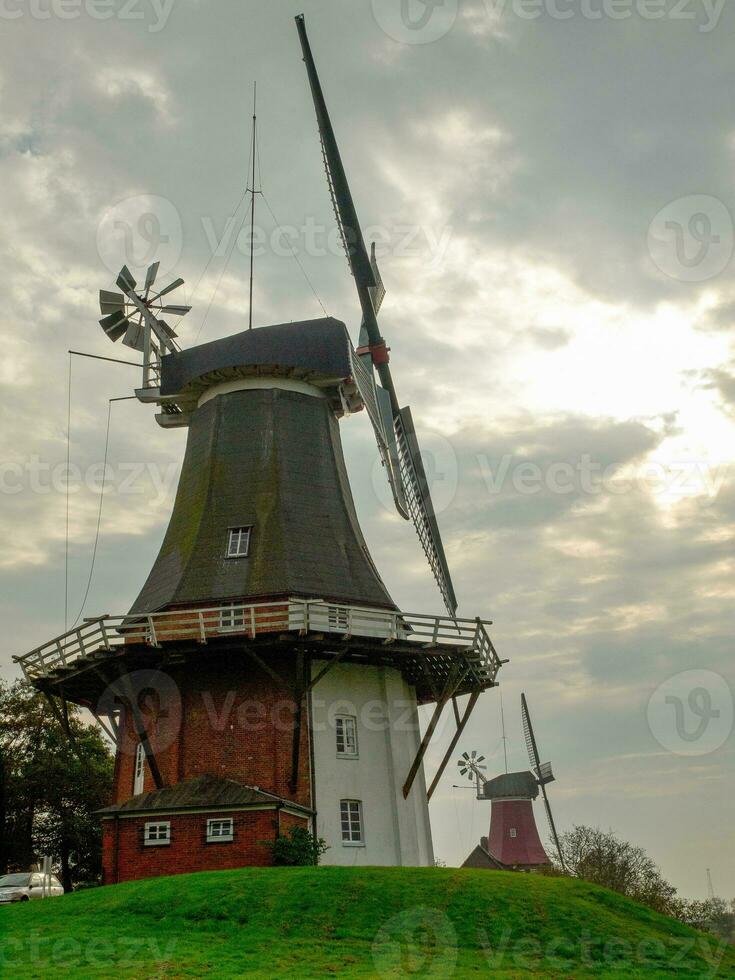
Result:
[[550, 185]]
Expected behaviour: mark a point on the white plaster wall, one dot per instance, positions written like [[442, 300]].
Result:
[[397, 831]]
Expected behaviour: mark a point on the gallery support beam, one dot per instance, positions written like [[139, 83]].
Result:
[[461, 724], [453, 682]]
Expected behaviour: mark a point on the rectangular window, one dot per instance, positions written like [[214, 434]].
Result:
[[139, 777], [346, 731], [232, 617], [238, 542], [351, 818], [219, 830], [513, 832], [157, 833]]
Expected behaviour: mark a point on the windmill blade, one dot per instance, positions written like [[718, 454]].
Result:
[[111, 302], [420, 506], [481, 758], [115, 325], [168, 330], [135, 336], [552, 827], [175, 310], [400, 455], [465, 755], [531, 746], [377, 292], [150, 277], [377, 403], [125, 280], [169, 289]]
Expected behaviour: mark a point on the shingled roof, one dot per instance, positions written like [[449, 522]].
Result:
[[198, 792]]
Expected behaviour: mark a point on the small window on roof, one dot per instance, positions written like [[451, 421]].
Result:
[[238, 541]]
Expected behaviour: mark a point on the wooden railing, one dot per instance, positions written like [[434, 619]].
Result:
[[111, 634]]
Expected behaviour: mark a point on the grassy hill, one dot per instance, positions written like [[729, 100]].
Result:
[[376, 922]]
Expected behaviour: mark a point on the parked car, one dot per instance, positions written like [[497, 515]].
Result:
[[28, 885]]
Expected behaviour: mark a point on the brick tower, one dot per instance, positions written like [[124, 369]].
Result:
[[264, 678]]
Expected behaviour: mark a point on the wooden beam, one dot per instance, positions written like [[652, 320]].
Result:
[[140, 730], [266, 667], [325, 670], [63, 719], [455, 679], [453, 744], [299, 693]]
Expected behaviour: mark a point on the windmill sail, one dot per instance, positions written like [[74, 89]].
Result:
[[393, 425], [542, 772]]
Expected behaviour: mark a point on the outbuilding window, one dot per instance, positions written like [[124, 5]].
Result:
[[238, 541], [351, 818], [219, 830], [346, 731], [157, 834]]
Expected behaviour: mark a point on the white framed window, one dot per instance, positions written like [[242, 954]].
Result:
[[351, 819], [232, 616], [157, 833], [513, 832], [345, 727], [219, 830], [238, 541], [139, 772]]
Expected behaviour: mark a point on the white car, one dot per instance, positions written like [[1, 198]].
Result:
[[27, 886]]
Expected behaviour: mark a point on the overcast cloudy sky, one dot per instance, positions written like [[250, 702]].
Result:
[[551, 187]]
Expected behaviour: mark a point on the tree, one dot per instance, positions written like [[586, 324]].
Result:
[[601, 857], [49, 787]]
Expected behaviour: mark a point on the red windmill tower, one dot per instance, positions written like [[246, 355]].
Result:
[[513, 842], [264, 678]]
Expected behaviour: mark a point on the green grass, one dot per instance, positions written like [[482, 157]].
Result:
[[374, 922]]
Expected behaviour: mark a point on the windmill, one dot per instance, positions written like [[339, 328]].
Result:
[[542, 771], [513, 841], [263, 592], [136, 318]]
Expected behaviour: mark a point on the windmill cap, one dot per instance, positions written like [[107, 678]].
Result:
[[512, 785], [317, 351]]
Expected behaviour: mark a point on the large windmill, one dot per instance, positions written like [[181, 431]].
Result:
[[241, 686], [513, 842]]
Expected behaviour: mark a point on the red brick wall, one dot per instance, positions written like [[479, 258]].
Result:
[[128, 858], [234, 722]]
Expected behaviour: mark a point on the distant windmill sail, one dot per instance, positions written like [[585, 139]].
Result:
[[542, 771], [393, 425]]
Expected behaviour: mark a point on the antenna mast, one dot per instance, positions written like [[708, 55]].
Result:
[[252, 202]]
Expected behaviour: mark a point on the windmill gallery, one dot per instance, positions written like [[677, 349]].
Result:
[[264, 587]]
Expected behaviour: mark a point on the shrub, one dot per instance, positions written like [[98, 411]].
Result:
[[299, 848]]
